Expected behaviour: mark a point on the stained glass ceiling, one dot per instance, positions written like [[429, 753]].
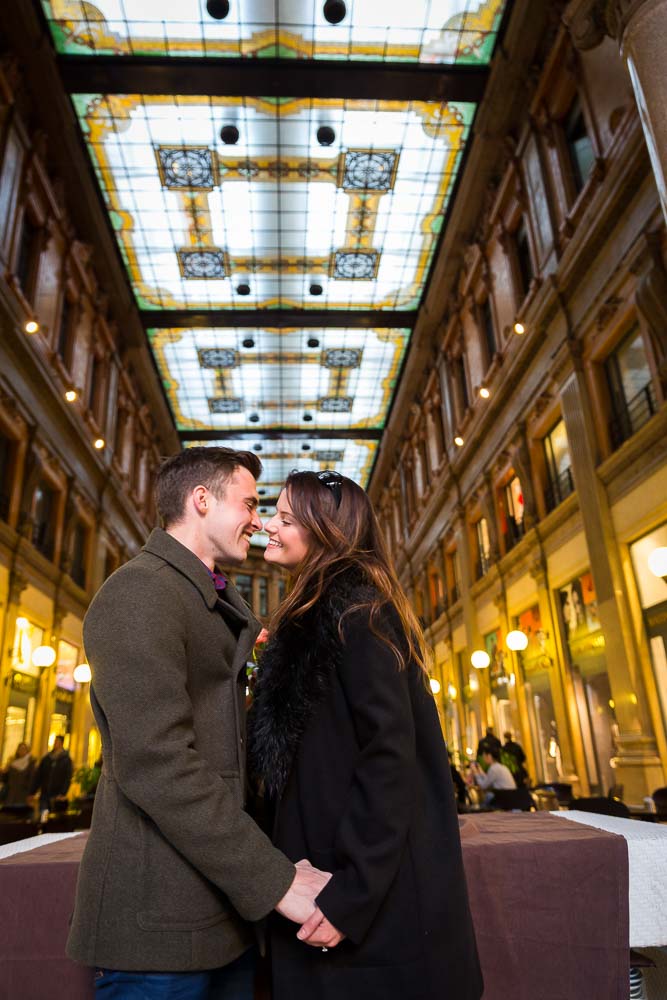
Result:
[[278, 247], [426, 31], [277, 218]]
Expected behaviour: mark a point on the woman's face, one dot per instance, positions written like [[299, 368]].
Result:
[[22, 749], [288, 539]]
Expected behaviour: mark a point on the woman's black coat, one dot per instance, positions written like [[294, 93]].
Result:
[[352, 757]]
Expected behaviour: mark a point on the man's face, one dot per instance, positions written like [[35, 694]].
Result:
[[232, 520]]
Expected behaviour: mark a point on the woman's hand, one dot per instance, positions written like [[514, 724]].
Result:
[[318, 932]]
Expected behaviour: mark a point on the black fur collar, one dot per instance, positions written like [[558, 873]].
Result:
[[294, 675]]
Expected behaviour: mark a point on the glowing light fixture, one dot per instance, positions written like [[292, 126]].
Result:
[[480, 659], [458, 441], [82, 673], [99, 443], [519, 328], [474, 684], [516, 640], [657, 561], [71, 395], [452, 692], [43, 656], [22, 622], [484, 392], [32, 326], [435, 685]]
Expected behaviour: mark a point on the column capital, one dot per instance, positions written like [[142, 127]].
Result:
[[589, 21]]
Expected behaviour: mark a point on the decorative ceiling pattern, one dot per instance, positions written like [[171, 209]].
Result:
[[426, 31], [229, 203], [268, 379], [278, 247]]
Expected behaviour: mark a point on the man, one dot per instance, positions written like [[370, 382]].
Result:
[[488, 740], [174, 869], [516, 751], [53, 778], [497, 776]]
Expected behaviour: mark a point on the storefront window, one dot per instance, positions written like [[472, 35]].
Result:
[[536, 666], [67, 659], [653, 598], [23, 688], [585, 644]]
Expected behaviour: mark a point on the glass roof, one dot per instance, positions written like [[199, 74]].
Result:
[[265, 379], [277, 218], [427, 31]]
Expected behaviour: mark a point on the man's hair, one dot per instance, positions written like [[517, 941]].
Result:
[[61, 738], [490, 748], [209, 467]]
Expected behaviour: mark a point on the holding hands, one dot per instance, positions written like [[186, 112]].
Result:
[[298, 904]]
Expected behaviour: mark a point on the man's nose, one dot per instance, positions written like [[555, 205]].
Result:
[[257, 522]]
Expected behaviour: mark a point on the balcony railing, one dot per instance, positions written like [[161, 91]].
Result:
[[630, 417], [558, 489]]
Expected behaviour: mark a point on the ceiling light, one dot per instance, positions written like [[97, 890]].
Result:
[[32, 326], [315, 289], [313, 342], [254, 418], [243, 289], [519, 328], [657, 561], [325, 135], [484, 392], [307, 416], [480, 659], [458, 441], [229, 135], [219, 9], [99, 443], [435, 685], [248, 342], [71, 395], [22, 622], [334, 11], [452, 692], [516, 640], [43, 656], [82, 674]]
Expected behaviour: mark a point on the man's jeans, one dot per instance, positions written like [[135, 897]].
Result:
[[233, 982]]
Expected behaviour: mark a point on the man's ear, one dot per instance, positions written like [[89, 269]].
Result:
[[200, 499]]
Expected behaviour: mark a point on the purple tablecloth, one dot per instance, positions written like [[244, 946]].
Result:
[[549, 901]]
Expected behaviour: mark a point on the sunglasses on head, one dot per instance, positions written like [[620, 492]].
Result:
[[334, 481]]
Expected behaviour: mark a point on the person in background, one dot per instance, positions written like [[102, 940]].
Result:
[[516, 751], [488, 740], [496, 777], [459, 784], [18, 777], [53, 778]]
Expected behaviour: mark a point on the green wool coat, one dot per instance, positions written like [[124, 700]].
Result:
[[174, 869]]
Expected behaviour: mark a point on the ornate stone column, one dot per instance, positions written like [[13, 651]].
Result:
[[637, 762], [640, 28]]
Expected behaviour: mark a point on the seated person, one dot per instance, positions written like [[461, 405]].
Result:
[[497, 776]]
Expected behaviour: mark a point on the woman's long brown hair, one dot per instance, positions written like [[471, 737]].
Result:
[[346, 536]]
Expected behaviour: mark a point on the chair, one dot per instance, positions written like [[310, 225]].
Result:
[[546, 799], [509, 799], [562, 789], [603, 806], [660, 798]]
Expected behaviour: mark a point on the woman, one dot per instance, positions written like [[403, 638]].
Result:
[[344, 736], [18, 777]]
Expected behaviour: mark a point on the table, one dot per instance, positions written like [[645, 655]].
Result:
[[549, 900]]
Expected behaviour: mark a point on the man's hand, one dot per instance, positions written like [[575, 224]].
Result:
[[318, 932], [298, 902]]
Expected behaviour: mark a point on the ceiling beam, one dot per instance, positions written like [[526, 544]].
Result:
[[314, 78], [279, 433], [280, 318]]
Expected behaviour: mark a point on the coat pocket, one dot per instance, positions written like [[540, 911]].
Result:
[[175, 895]]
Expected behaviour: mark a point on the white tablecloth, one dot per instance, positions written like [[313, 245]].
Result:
[[647, 861], [7, 850]]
